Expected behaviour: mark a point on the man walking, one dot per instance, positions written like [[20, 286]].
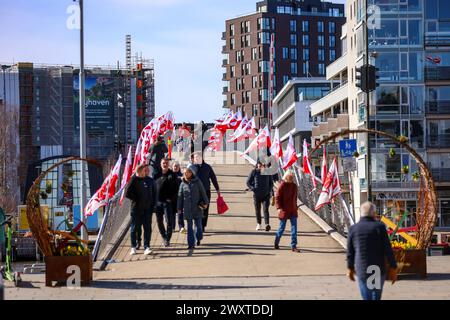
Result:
[[206, 175], [262, 186], [142, 193], [167, 188], [367, 250], [157, 152]]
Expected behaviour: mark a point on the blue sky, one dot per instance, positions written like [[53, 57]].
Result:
[[182, 36]]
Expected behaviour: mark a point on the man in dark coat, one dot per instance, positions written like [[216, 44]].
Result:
[[142, 193], [206, 175], [368, 249], [157, 152], [167, 187], [262, 186]]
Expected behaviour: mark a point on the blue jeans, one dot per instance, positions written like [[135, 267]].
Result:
[[280, 231], [180, 220], [370, 294], [164, 212], [139, 219], [198, 231]]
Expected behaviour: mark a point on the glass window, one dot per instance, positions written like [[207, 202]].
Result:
[[285, 53], [280, 9], [306, 68], [320, 40], [332, 55], [319, 26], [293, 25], [305, 54], [294, 53], [294, 67], [321, 69], [388, 95], [293, 39], [285, 79], [305, 40], [321, 55], [305, 26], [331, 27], [332, 41], [444, 9]]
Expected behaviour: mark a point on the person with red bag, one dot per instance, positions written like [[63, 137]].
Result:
[[286, 203]]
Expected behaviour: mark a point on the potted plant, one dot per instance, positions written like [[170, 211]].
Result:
[[410, 259]]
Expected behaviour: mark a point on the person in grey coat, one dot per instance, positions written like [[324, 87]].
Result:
[[192, 201]]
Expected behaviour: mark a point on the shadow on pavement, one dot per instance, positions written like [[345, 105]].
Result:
[[303, 250], [133, 285]]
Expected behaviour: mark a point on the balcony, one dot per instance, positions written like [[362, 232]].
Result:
[[437, 73], [338, 66], [224, 105], [438, 107], [439, 140], [392, 180], [224, 76], [441, 174], [224, 35], [334, 97], [224, 49], [332, 125], [225, 90], [224, 62], [437, 40]]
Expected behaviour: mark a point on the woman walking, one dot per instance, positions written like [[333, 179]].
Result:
[[192, 201], [177, 169], [286, 203]]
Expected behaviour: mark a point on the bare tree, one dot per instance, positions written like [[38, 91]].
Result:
[[9, 160]]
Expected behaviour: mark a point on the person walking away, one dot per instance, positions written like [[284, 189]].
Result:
[[262, 186], [177, 170], [142, 193], [286, 204], [206, 175], [192, 200], [157, 152], [368, 248], [167, 188]]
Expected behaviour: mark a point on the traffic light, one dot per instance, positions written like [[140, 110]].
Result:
[[372, 78], [361, 78]]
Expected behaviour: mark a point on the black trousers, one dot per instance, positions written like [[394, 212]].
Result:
[[164, 212], [206, 211], [139, 219], [265, 202]]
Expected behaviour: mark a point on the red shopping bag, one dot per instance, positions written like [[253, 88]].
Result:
[[222, 207]]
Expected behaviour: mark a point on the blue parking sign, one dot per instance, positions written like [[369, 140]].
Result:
[[347, 147]]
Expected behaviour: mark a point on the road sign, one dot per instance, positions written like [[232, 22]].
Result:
[[349, 164], [347, 147]]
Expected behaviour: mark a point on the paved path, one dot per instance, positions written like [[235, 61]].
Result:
[[237, 262]]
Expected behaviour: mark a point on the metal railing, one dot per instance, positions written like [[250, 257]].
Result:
[[391, 180], [441, 174], [438, 107], [437, 40], [439, 141], [437, 73]]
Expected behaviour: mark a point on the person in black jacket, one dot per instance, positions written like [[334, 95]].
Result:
[[206, 175], [167, 188], [367, 250], [157, 152], [262, 187], [142, 193]]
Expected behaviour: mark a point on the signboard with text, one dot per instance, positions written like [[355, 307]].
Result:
[[347, 147]]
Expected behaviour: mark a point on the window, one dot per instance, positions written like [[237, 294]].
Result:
[[331, 27], [231, 29], [233, 99], [332, 41], [232, 44], [294, 53], [293, 25], [285, 79], [254, 81], [321, 54], [285, 53], [332, 55], [305, 26], [263, 95], [293, 39], [306, 68], [264, 38], [305, 54], [254, 53], [247, 26], [320, 41], [254, 110], [263, 66], [232, 71], [239, 57], [239, 85], [321, 69], [294, 67], [305, 40], [319, 26]]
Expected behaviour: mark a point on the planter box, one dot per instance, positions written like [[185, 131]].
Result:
[[411, 262], [56, 269]]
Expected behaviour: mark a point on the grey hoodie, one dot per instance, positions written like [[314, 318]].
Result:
[[190, 195]]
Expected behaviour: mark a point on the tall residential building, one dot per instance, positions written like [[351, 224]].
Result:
[[411, 47], [48, 105], [306, 39]]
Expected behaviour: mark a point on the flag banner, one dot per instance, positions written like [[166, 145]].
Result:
[[290, 155], [127, 172], [276, 149], [331, 187], [307, 169], [239, 133], [324, 169], [261, 140]]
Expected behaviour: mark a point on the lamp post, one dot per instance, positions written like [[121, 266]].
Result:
[[84, 235], [368, 151]]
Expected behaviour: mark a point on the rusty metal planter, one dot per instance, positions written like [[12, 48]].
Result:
[[56, 269], [411, 262]]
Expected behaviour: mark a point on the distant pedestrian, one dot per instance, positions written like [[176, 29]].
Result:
[[167, 187], [368, 248], [262, 187], [206, 175], [176, 168], [157, 152], [192, 201], [142, 193], [286, 204]]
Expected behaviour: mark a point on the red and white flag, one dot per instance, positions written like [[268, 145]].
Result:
[[239, 133], [324, 168], [106, 191], [307, 169], [137, 156], [276, 149], [290, 155], [235, 121], [262, 140], [127, 172], [222, 122], [215, 140], [331, 187]]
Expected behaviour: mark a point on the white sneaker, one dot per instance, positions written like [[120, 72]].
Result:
[[133, 251], [258, 227], [182, 230], [147, 251]]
